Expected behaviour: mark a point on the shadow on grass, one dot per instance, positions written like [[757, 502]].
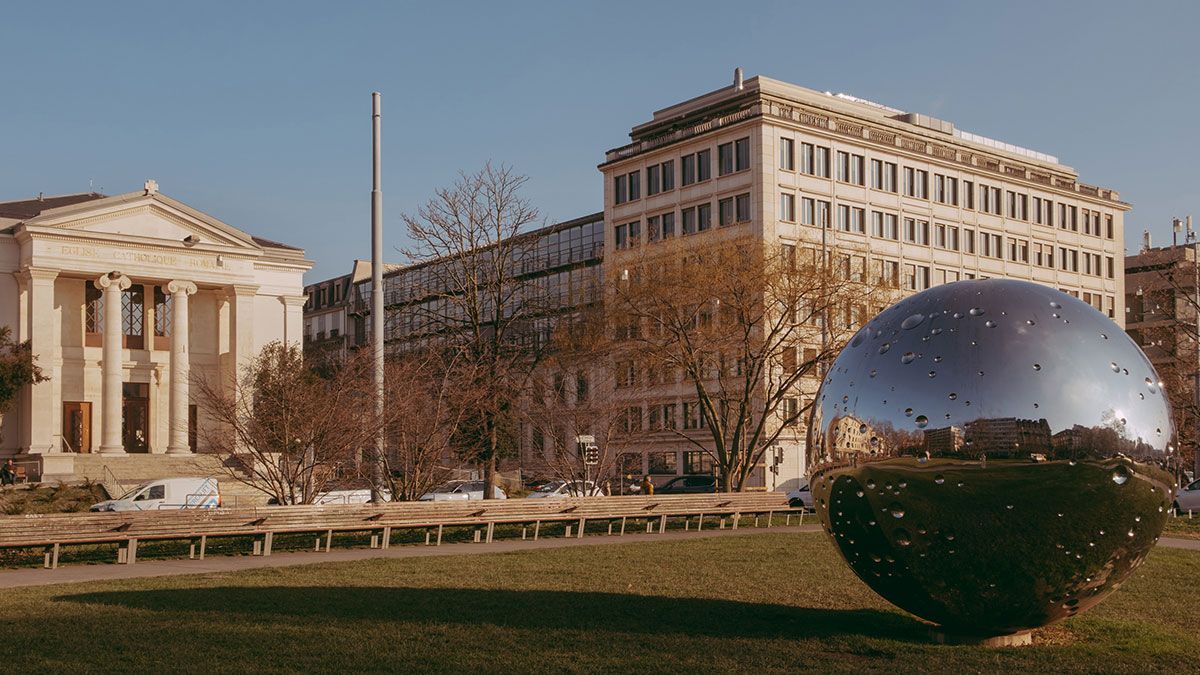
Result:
[[526, 610]]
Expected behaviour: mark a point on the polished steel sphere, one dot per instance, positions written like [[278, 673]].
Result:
[[992, 455]]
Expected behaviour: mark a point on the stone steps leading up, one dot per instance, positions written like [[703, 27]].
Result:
[[118, 473]]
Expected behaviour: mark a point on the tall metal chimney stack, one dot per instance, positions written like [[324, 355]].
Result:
[[1145, 240], [737, 79]]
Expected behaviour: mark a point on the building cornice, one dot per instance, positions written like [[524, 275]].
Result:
[[927, 146]]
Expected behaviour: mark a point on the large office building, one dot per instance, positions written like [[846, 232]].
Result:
[[907, 200], [126, 300]]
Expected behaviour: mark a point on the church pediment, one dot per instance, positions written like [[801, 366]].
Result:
[[146, 219]]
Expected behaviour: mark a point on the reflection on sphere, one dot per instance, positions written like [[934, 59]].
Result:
[[992, 455]]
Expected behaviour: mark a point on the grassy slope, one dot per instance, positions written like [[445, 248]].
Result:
[[766, 602], [48, 498]]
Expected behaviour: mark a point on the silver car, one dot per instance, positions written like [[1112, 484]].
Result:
[[558, 489], [461, 490], [1188, 498]]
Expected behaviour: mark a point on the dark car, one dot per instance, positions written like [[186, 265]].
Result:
[[683, 485]]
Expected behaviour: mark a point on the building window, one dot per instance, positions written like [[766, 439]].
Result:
[[787, 154], [689, 169], [635, 233], [742, 207], [703, 216], [632, 420], [883, 175], [689, 220], [697, 461], [635, 185], [668, 224], [916, 231], [668, 175], [725, 211], [724, 159], [703, 165], [814, 160], [787, 207], [916, 183], [968, 239], [653, 180], [968, 195], [790, 411], [741, 154], [621, 236], [133, 311], [94, 310], [652, 228], [850, 168], [620, 196], [662, 462], [162, 312]]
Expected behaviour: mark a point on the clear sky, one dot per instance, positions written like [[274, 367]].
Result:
[[259, 112]]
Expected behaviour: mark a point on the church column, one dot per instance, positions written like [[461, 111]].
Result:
[[38, 434], [293, 318], [177, 443], [113, 366]]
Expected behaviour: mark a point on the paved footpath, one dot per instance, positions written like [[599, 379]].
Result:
[[234, 563], [166, 568]]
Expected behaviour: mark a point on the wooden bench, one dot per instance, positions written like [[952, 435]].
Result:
[[127, 529]]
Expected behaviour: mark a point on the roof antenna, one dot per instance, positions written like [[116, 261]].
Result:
[[737, 79]]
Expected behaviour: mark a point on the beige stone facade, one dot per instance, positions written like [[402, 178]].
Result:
[[906, 199], [126, 300]]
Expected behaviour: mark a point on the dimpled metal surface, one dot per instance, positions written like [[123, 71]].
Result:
[[990, 455]]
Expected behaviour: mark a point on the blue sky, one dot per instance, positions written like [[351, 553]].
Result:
[[258, 112]]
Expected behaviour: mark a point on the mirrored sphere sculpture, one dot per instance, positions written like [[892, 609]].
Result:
[[992, 456]]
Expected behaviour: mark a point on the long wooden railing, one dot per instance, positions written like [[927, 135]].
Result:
[[54, 531]]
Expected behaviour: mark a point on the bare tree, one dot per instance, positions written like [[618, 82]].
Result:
[[739, 324], [286, 430], [474, 302], [422, 417], [574, 394]]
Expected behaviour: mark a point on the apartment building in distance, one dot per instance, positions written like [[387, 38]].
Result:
[[905, 198], [1161, 301]]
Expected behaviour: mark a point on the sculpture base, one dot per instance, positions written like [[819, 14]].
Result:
[[1019, 639]]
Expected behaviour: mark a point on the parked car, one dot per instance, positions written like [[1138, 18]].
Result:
[[361, 496], [1188, 498], [460, 490], [167, 493], [561, 489], [683, 485], [801, 497]]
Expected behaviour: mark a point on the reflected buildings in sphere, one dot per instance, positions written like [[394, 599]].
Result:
[[989, 455]]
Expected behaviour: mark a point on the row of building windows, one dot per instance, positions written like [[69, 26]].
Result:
[[948, 237], [666, 462], [850, 168], [695, 167], [914, 277], [692, 219]]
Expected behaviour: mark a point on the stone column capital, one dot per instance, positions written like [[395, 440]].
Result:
[[113, 279], [293, 300], [180, 286], [242, 290], [37, 274]]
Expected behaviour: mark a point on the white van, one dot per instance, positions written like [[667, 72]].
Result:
[[166, 494]]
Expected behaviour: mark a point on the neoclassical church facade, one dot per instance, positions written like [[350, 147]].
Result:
[[126, 300]]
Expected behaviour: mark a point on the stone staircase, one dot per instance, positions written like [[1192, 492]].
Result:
[[120, 473]]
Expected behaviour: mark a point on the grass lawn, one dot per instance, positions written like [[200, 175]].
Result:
[[767, 602]]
